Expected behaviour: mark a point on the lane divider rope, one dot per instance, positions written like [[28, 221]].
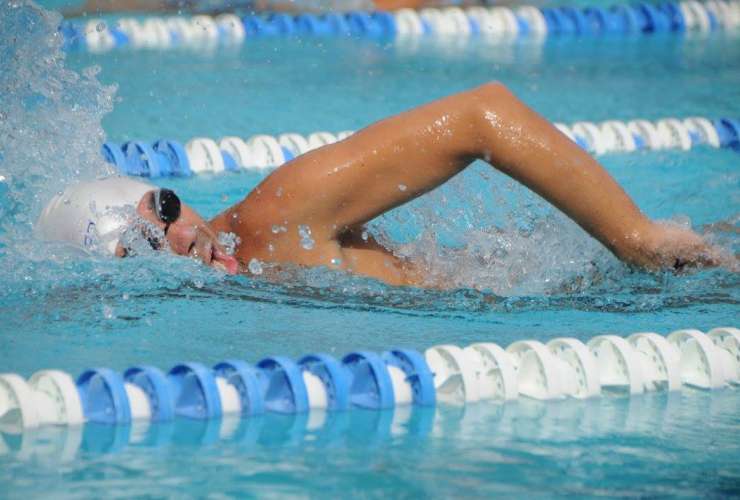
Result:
[[201, 155], [444, 374], [497, 23]]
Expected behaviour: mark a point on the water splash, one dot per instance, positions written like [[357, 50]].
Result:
[[50, 130], [50, 134]]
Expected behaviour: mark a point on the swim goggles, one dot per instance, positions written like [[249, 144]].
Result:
[[167, 206]]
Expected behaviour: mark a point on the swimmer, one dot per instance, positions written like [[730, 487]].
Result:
[[327, 196]]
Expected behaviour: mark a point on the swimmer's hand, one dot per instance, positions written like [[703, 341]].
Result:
[[665, 246]]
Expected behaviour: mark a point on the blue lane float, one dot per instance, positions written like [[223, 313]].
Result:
[[283, 387], [201, 155], [153, 382], [332, 376], [370, 383], [244, 378], [194, 391], [103, 396], [499, 23]]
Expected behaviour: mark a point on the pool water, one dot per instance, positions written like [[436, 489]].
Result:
[[521, 270]]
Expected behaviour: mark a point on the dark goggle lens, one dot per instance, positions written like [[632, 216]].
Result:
[[166, 205]]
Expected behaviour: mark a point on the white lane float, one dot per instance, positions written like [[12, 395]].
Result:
[[454, 378], [157, 33], [206, 30], [494, 370], [231, 29], [703, 129], [695, 16], [295, 143], [673, 134], [458, 20], [538, 374], [204, 155], [267, 151], [702, 365], [617, 136], [565, 130], [239, 151], [50, 397], [534, 19], [727, 339], [408, 23], [577, 368], [98, 37], [319, 139], [591, 136], [646, 131], [618, 364], [661, 361], [439, 24]]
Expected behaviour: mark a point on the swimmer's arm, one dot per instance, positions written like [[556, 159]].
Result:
[[338, 187]]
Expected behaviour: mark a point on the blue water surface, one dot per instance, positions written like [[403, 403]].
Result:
[[552, 280]]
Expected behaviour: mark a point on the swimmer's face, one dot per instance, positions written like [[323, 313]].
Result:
[[189, 235]]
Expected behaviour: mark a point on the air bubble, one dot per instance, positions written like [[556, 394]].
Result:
[[255, 267], [304, 231], [108, 312]]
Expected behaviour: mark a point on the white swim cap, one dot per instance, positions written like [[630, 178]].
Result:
[[92, 215]]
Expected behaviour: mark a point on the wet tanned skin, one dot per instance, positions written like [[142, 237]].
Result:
[[338, 188]]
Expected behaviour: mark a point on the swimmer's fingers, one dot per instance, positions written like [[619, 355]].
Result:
[[669, 247]]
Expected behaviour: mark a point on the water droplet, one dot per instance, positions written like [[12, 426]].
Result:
[[278, 229], [108, 312], [402, 187], [255, 267], [304, 231], [270, 248], [365, 236], [100, 27], [279, 192], [336, 261]]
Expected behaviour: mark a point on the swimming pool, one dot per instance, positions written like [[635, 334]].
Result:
[[552, 281]]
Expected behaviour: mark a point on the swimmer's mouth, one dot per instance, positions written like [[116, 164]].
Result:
[[213, 256], [223, 261]]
